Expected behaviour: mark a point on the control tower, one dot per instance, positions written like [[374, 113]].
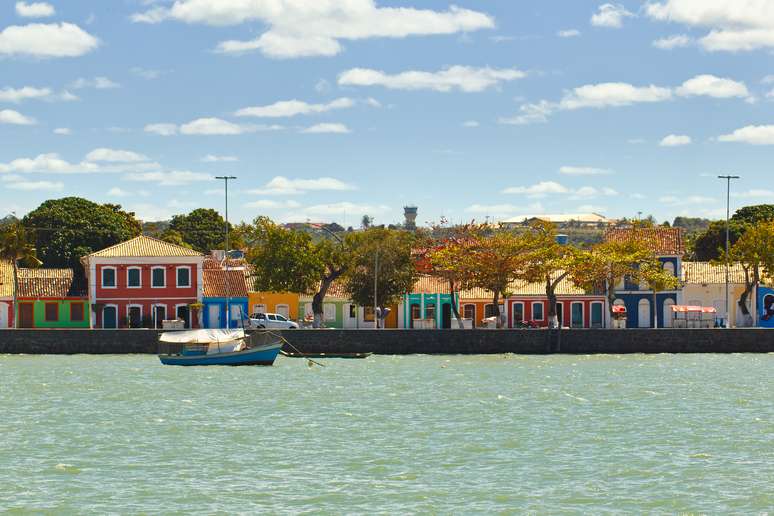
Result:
[[410, 214]]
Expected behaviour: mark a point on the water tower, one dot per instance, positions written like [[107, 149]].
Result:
[[410, 214]]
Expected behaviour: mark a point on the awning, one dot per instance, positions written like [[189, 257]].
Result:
[[619, 309], [694, 309]]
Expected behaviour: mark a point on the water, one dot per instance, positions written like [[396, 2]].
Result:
[[417, 434]]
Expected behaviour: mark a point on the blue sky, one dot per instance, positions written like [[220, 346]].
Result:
[[328, 110]]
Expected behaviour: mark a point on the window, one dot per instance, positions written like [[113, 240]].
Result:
[[280, 318], [52, 312], [77, 312], [133, 277], [271, 317], [259, 309], [183, 277], [537, 312], [416, 312], [135, 316], [518, 312], [430, 311], [329, 311], [669, 267], [352, 311], [368, 313], [576, 315], [236, 312], [596, 315], [469, 312], [489, 311], [108, 277], [158, 277]]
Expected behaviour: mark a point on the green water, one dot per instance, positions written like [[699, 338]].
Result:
[[506, 434]]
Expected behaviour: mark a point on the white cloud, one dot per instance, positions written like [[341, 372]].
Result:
[[114, 156], [214, 126], [302, 29], [670, 42], [170, 178], [118, 192], [461, 78], [46, 40], [9, 116], [289, 108], [587, 192], [346, 208], [212, 158], [35, 10], [584, 171], [769, 79], [63, 131], [50, 162], [569, 33], [613, 94], [531, 114], [711, 86], [99, 83], [19, 94], [675, 140], [267, 204], [281, 185], [470, 124], [754, 194], [327, 128], [610, 15], [734, 25], [161, 129], [591, 208], [29, 186], [752, 134], [674, 200], [540, 189], [147, 73]]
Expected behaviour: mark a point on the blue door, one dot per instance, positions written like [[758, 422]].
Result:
[[110, 317]]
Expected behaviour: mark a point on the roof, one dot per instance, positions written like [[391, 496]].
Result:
[[338, 289], [661, 240], [6, 278], [144, 247], [436, 285], [706, 273], [589, 218], [34, 283], [213, 263], [214, 283]]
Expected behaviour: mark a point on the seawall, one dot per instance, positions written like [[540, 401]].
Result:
[[404, 342]]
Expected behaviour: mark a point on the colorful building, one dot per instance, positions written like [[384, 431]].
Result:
[[428, 305], [284, 303], [668, 246], [704, 284], [142, 282], [339, 311], [6, 294], [52, 298], [224, 287]]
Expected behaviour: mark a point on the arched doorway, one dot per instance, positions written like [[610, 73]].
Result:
[[110, 317], [668, 315], [643, 314]]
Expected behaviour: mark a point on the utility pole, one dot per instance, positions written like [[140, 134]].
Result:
[[728, 238], [224, 265], [376, 284]]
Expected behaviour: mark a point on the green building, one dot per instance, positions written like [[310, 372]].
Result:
[[52, 298]]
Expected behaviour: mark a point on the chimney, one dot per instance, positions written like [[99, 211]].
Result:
[[410, 214]]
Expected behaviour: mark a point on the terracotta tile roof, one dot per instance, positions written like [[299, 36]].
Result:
[[214, 283], [436, 285], [6, 278], [142, 247], [662, 241], [705, 273], [36, 283], [212, 263]]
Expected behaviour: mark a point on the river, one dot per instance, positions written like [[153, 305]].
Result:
[[387, 435]]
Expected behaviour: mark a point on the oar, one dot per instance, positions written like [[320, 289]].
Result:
[[286, 341]]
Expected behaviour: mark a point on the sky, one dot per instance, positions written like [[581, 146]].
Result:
[[326, 110]]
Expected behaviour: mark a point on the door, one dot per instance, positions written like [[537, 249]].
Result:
[[668, 314], [446, 316], [135, 317], [184, 313], [213, 316], [159, 315], [3, 315], [518, 314], [643, 314], [284, 310], [26, 317], [576, 315], [110, 317]]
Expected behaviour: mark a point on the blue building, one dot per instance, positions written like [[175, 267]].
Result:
[[668, 246], [222, 288]]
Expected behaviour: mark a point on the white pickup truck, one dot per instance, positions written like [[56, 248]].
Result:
[[271, 322]]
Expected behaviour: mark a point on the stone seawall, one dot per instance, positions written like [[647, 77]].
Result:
[[403, 342]]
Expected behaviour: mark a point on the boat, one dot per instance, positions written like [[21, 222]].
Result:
[[218, 347], [294, 354]]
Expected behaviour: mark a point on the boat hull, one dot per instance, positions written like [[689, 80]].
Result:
[[264, 356]]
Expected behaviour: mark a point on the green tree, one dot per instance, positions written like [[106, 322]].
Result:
[[173, 237], [70, 228], [755, 252], [16, 245], [755, 214], [203, 228], [710, 245], [386, 255]]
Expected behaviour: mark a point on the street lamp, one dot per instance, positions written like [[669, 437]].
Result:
[[728, 238]]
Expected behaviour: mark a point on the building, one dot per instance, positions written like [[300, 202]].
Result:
[[410, 216], [593, 220], [143, 281], [283, 303], [339, 311], [704, 284], [428, 305], [52, 298], [224, 291], [6, 294], [668, 246]]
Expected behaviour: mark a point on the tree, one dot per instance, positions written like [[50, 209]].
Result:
[[203, 228], [755, 252], [710, 245], [335, 260], [366, 221], [385, 255], [755, 214], [658, 280], [70, 228], [16, 245], [173, 237]]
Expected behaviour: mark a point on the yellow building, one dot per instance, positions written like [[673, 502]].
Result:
[[704, 284], [284, 303]]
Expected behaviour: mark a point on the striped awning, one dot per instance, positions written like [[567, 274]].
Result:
[[695, 309]]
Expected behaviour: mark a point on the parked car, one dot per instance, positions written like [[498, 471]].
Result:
[[271, 322]]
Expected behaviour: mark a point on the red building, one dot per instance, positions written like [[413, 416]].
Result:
[[142, 282]]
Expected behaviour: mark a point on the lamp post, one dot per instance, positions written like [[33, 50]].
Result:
[[376, 283], [226, 179], [728, 238]]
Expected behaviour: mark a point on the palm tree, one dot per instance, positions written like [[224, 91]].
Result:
[[15, 245]]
